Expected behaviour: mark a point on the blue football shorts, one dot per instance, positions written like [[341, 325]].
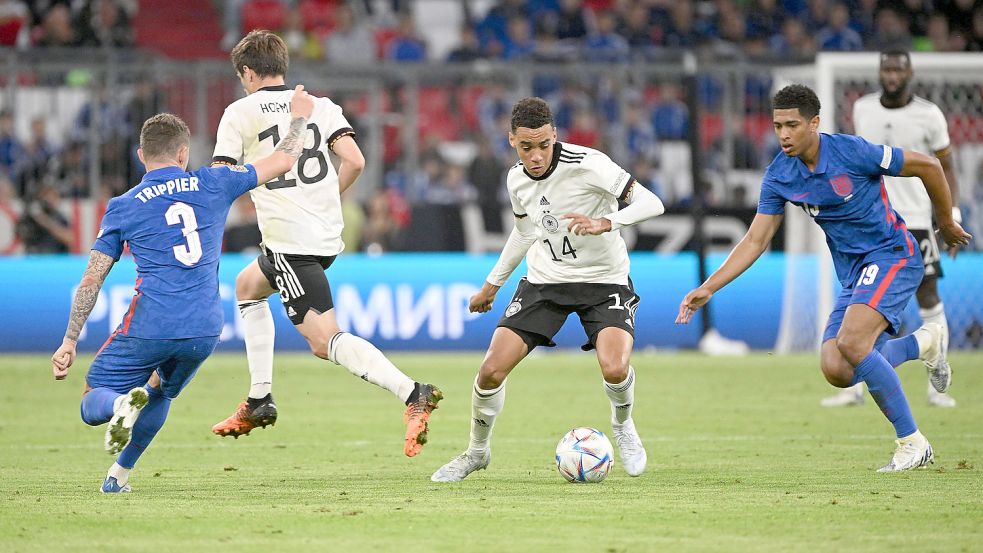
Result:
[[885, 285], [125, 362]]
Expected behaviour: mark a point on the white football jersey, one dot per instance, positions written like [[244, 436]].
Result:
[[578, 180], [299, 212], [919, 126]]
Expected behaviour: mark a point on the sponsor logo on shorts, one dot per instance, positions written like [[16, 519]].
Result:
[[513, 308], [550, 223]]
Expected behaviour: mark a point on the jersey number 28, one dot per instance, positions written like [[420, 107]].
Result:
[[182, 214], [309, 153]]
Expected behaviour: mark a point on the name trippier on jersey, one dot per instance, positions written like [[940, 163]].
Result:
[[185, 184]]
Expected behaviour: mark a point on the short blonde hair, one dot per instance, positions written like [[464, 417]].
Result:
[[163, 135]]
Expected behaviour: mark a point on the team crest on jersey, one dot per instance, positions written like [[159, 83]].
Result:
[[237, 168], [550, 223], [842, 185], [513, 308]]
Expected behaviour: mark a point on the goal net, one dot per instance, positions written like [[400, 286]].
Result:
[[950, 80]]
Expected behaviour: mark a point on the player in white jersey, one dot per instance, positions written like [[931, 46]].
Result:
[[565, 199], [896, 117], [301, 222]]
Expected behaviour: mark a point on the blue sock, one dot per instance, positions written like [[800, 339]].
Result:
[[97, 406], [151, 420], [885, 388], [899, 350]]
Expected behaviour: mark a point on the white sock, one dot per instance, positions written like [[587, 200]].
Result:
[[121, 474], [368, 363], [622, 396], [936, 314], [257, 324], [485, 406]]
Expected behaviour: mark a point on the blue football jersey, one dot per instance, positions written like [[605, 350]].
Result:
[[845, 195], [173, 223]]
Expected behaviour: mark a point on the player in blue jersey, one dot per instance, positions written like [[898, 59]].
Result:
[[172, 222], [836, 179]]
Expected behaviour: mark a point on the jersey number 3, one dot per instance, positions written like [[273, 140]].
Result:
[[309, 153], [182, 214]]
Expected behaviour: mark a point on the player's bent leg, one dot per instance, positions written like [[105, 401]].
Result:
[[837, 370], [506, 350], [126, 413], [258, 410], [614, 347]]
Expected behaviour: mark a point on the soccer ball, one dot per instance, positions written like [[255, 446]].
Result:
[[584, 455]]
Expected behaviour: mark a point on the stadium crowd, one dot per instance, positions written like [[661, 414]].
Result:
[[634, 124]]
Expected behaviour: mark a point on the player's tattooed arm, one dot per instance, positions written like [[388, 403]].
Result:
[[293, 143], [88, 292]]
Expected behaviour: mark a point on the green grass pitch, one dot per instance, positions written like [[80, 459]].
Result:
[[741, 458]]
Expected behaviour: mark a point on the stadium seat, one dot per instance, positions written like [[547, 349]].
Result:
[[263, 14], [318, 15]]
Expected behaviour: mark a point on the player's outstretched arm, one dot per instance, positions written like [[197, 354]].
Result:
[[85, 299], [744, 254], [642, 205], [521, 238], [292, 145], [929, 170]]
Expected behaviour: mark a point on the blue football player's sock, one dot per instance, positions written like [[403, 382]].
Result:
[[899, 350], [97, 406], [885, 388], [151, 420]]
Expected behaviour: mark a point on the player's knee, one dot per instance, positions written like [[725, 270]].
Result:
[[852, 348], [490, 377], [319, 348], [614, 369]]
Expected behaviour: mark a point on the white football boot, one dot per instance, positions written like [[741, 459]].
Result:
[[633, 456], [912, 452], [854, 395], [936, 399], [934, 355], [461, 466], [125, 414]]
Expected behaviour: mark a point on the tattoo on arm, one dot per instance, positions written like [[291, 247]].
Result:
[[293, 143], [88, 292]]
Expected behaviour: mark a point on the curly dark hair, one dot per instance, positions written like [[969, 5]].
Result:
[[531, 113], [797, 96]]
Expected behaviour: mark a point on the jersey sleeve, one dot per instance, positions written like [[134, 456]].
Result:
[[874, 159], [336, 126], [517, 208], [770, 202], [228, 141], [604, 174], [938, 131], [233, 180], [110, 238]]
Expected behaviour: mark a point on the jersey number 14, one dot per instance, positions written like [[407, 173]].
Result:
[[308, 153]]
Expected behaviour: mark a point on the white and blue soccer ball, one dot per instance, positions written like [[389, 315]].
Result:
[[584, 455]]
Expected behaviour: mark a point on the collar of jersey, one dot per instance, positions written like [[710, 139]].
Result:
[[274, 88], [163, 172], [557, 148], [824, 145]]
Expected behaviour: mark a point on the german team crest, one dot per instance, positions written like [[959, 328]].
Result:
[[842, 185], [513, 308], [550, 223]]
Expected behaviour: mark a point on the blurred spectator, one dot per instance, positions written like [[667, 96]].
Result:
[[584, 130], [37, 156], [380, 232], [300, 42], [11, 150], [104, 23], [519, 43], [938, 38], [57, 30], [891, 31], [351, 42], [636, 26], [681, 30], [571, 21], [452, 188], [732, 32], [764, 18], [427, 176], [959, 13], [916, 13], [69, 172], [794, 44], [606, 45], [639, 134], [670, 118], [487, 174], [13, 21], [493, 28], [43, 228], [243, 234], [407, 46], [838, 35], [974, 42], [863, 17], [147, 101], [468, 49], [110, 118], [647, 175], [816, 16]]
